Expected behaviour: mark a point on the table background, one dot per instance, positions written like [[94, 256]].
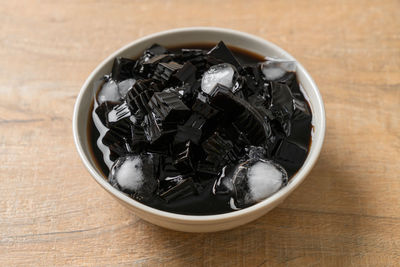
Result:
[[347, 212]]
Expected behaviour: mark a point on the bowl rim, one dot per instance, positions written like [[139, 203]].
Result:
[[200, 219]]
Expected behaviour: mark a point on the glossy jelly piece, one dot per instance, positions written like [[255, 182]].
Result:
[[169, 182], [203, 203], [185, 133], [281, 97], [103, 109], [138, 97], [222, 52], [122, 69], [138, 139], [169, 107], [207, 169], [156, 49], [300, 128], [189, 92], [202, 107], [167, 168], [224, 184], [186, 74], [190, 54], [290, 79], [117, 143], [184, 156], [219, 149], [245, 117], [238, 137], [165, 71], [191, 130], [290, 155], [282, 105], [150, 65], [197, 57], [183, 189], [154, 128]]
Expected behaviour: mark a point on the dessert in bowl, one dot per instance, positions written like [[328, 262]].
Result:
[[223, 159]]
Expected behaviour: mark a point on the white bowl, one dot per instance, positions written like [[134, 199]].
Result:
[[190, 223]]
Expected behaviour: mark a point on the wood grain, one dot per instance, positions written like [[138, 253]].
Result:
[[346, 213]]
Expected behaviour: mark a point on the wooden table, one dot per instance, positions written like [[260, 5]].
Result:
[[347, 212]]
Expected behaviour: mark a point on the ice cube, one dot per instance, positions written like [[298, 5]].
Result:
[[218, 74], [125, 85], [274, 69], [255, 180], [264, 179], [134, 174], [109, 92]]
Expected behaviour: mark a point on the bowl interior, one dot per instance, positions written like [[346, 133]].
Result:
[[184, 37]]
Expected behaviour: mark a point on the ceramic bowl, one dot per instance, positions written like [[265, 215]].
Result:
[[180, 37]]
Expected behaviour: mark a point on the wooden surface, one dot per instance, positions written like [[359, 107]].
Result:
[[346, 213]]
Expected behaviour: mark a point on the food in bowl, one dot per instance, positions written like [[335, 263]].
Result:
[[200, 130]]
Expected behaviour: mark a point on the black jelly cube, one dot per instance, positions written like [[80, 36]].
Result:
[[183, 157], [185, 133], [300, 128], [154, 128], [164, 71], [183, 189], [169, 107], [122, 68], [156, 49], [202, 107], [281, 98], [186, 74], [150, 65], [222, 52], [290, 155], [138, 138], [167, 168], [207, 169], [138, 97], [219, 149], [117, 143]]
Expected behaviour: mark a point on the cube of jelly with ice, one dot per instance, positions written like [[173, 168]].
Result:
[[135, 175], [224, 74], [108, 92], [253, 181], [125, 85], [274, 69]]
